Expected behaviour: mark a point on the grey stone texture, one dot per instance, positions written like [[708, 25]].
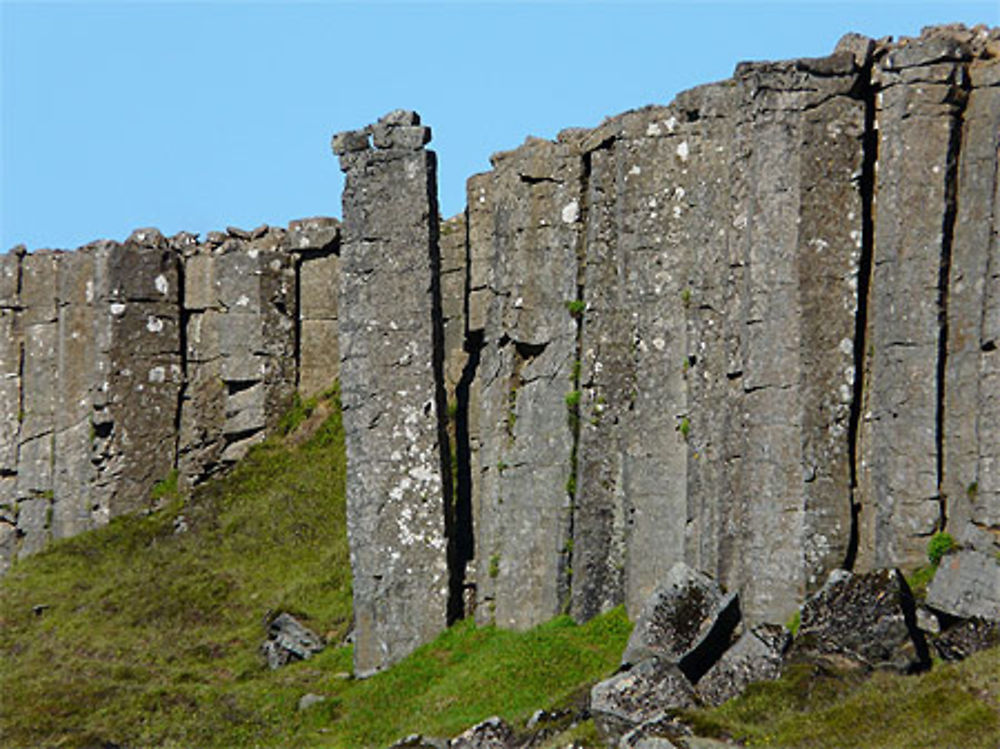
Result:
[[121, 363], [967, 584], [687, 620], [863, 620], [289, 640], [527, 366], [756, 656], [643, 692], [393, 398]]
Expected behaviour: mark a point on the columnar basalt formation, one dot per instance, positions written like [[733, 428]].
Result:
[[391, 343], [754, 331], [124, 364], [718, 332]]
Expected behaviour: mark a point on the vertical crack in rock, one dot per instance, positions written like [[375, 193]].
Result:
[[573, 398], [958, 97], [183, 318], [866, 91], [456, 570], [462, 549], [297, 318]]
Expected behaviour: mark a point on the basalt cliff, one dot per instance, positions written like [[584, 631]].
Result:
[[754, 330]]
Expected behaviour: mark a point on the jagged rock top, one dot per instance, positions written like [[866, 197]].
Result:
[[305, 234], [400, 129]]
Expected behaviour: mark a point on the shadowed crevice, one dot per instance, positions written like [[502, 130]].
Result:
[[869, 145], [958, 98]]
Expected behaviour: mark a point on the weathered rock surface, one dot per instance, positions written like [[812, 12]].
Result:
[[492, 733], [687, 620], [289, 640], [865, 620], [756, 656], [967, 637], [639, 694], [393, 397], [122, 363], [967, 584]]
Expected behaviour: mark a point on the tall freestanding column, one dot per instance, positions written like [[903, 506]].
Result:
[[390, 367]]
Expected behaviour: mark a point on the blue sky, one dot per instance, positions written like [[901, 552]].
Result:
[[191, 115]]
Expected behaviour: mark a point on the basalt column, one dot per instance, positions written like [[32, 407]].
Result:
[[921, 94], [801, 127], [391, 360], [971, 471], [523, 541]]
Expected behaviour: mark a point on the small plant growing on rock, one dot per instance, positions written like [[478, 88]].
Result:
[[940, 544], [576, 307], [494, 566], [684, 427]]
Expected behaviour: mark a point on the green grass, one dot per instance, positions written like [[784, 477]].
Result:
[[151, 637], [954, 705]]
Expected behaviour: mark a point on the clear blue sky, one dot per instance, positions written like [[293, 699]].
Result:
[[191, 115]]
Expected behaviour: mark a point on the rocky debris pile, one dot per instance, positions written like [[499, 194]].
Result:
[[289, 640], [690, 648], [961, 615], [686, 650]]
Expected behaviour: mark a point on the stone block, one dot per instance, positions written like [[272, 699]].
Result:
[[687, 620], [967, 584], [199, 282], [319, 285], [632, 697], [319, 356], [755, 656], [867, 620]]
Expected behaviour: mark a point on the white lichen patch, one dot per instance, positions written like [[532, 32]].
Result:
[[571, 212], [683, 150], [160, 282], [652, 129], [117, 308], [157, 374], [154, 324], [635, 171], [671, 123], [243, 301]]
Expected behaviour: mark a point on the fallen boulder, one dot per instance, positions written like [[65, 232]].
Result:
[[492, 733], [965, 637], [289, 640], [756, 656], [688, 620], [643, 692], [967, 584], [866, 620]]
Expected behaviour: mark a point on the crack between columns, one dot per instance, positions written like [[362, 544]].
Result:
[[869, 158], [573, 399], [958, 96], [183, 316]]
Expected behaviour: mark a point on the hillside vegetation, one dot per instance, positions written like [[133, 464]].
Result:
[[147, 633]]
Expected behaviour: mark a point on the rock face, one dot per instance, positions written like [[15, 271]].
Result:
[[754, 331], [391, 343], [125, 363]]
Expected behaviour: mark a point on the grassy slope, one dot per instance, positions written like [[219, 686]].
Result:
[[150, 637]]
